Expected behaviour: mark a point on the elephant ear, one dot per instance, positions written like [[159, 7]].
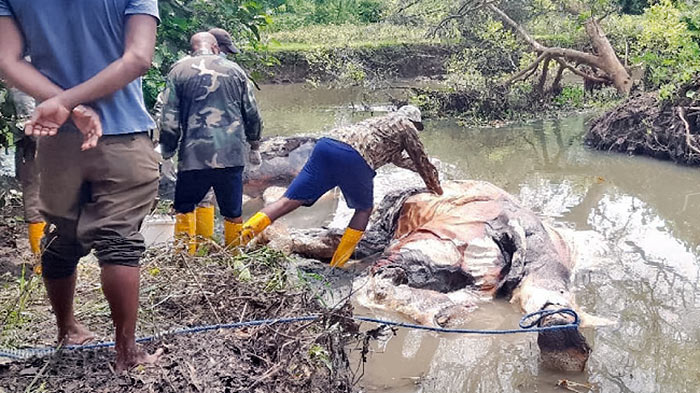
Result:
[[588, 320]]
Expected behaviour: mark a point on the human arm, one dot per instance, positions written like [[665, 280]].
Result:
[[405, 162], [416, 152], [252, 122], [18, 71], [24, 76], [169, 120], [139, 47], [140, 43]]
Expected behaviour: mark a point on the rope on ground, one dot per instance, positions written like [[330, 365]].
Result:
[[528, 324]]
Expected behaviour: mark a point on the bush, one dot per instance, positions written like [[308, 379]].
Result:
[[370, 11], [181, 19], [668, 47]]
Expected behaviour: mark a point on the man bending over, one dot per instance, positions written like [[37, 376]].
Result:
[[348, 159]]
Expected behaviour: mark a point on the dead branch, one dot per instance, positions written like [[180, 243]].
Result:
[[556, 85], [466, 8], [582, 74], [543, 76], [606, 60], [532, 66]]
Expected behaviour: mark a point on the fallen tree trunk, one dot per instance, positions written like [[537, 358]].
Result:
[[604, 58]]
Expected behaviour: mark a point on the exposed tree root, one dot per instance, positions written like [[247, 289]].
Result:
[[644, 125]]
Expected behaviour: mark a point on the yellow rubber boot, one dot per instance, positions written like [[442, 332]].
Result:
[[254, 226], [346, 247], [36, 233], [204, 222], [185, 231], [232, 233]]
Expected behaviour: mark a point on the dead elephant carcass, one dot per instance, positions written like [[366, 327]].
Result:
[[444, 255]]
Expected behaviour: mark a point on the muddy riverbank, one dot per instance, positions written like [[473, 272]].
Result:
[[385, 61]]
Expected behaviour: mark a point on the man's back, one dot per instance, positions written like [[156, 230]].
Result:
[[70, 41], [210, 102], [380, 140]]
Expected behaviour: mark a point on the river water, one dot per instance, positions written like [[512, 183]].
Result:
[[641, 216]]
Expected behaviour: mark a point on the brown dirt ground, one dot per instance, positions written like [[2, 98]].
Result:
[[178, 292], [14, 249]]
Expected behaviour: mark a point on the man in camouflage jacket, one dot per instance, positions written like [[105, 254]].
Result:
[[348, 159], [209, 117]]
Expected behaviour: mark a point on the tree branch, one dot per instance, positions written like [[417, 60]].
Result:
[[581, 73], [570, 54], [529, 68], [464, 9], [543, 76]]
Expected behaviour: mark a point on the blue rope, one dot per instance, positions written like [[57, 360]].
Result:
[[528, 324]]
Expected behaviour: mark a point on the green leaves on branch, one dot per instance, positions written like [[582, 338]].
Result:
[[8, 120], [180, 19], [668, 46]]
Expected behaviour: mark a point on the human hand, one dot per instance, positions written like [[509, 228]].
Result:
[[47, 118], [436, 188], [254, 157], [88, 122]]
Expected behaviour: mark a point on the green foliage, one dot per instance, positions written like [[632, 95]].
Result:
[[668, 47], [15, 313], [244, 19], [294, 14], [634, 7], [347, 35], [341, 64], [570, 97], [8, 119], [319, 354]]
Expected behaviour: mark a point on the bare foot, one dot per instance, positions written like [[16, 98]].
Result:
[[75, 334], [128, 359]]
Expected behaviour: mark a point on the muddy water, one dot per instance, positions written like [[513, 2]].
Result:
[[640, 268]]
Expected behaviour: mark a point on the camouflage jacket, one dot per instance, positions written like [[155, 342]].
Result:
[[24, 109], [383, 140], [209, 112]]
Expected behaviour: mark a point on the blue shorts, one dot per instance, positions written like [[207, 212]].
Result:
[[333, 163], [192, 186]]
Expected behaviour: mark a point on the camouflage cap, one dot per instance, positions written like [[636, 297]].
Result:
[[223, 38], [413, 114]]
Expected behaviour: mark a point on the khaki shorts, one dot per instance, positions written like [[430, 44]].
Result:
[[96, 199]]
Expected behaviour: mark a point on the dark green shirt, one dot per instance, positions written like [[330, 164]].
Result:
[[209, 112]]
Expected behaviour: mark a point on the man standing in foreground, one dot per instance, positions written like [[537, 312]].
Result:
[[94, 192], [348, 158], [209, 113]]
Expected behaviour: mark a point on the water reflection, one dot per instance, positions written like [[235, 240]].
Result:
[[638, 264]]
